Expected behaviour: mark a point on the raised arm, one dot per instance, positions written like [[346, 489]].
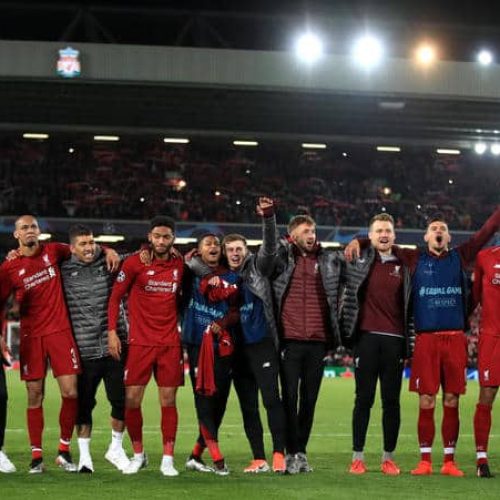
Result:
[[471, 247], [266, 256]]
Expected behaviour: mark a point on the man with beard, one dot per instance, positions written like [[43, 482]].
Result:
[[375, 320], [87, 286], [35, 279], [305, 281], [154, 345], [205, 317]]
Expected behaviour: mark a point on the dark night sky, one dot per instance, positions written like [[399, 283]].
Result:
[[457, 26]]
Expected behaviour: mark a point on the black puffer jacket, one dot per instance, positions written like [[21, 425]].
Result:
[[87, 288], [354, 275]]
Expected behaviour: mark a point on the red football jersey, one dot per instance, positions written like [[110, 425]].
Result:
[[152, 301], [486, 289], [36, 282]]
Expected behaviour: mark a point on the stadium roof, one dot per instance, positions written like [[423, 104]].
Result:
[[229, 110]]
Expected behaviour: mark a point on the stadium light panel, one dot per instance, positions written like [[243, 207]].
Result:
[[368, 51], [183, 240], [480, 148], [309, 48], [109, 138], [313, 145], [444, 151], [44, 236], [175, 140], [426, 54], [389, 149], [245, 143], [392, 105], [484, 57], [109, 238], [32, 135], [495, 149]]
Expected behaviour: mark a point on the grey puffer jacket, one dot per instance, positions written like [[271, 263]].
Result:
[[354, 275], [87, 288]]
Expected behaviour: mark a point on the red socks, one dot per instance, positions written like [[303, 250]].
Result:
[[35, 429], [67, 420], [426, 431], [169, 419], [133, 422], [212, 445], [482, 426], [198, 450], [450, 427]]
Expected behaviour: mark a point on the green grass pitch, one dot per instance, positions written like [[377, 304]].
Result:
[[329, 454]]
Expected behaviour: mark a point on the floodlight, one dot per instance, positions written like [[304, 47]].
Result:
[[484, 57], [368, 51], [495, 149], [426, 54], [480, 148], [309, 48]]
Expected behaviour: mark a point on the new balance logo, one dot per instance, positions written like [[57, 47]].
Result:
[[486, 375]]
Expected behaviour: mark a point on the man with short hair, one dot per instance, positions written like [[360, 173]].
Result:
[[256, 366], [87, 286], [486, 291], [305, 283], [440, 302], [34, 277], [154, 345], [375, 319]]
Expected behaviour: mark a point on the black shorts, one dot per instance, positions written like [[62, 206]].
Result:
[[93, 371]]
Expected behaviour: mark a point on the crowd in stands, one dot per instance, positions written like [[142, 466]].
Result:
[[137, 178]]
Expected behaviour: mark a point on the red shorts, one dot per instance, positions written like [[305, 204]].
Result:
[[165, 362], [439, 359], [489, 360], [60, 348]]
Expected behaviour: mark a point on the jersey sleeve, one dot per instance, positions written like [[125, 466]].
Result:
[[62, 251], [473, 245], [123, 282]]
